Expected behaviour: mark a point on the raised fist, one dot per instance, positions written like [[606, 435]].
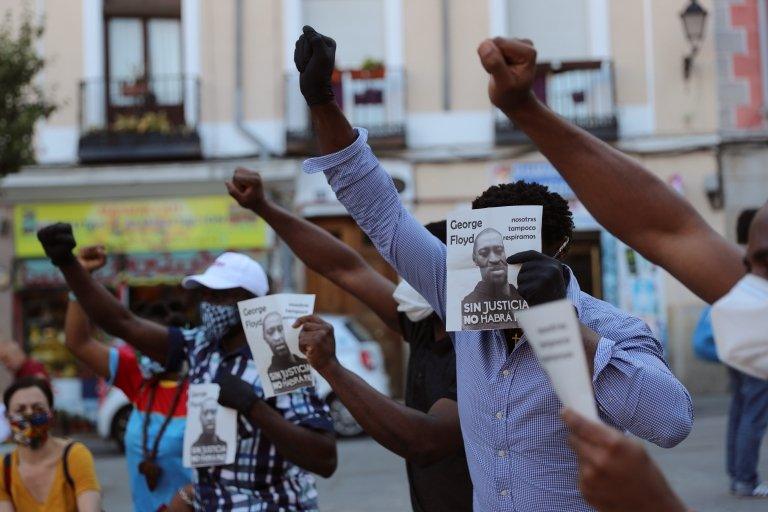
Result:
[[246, 188], [512, 66], [92, 258], [541, 279], [317, 342], [58, 242], [315, 57]]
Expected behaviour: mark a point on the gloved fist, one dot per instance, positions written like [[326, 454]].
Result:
[[247, 188], [315, 57], [512, 66], [317, 342], [542, 278], [235, 393], [58, 242]]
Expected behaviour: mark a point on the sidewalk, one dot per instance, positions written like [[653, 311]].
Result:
[[372, 479]]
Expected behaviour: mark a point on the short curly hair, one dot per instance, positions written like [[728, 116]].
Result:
[[557, 221]]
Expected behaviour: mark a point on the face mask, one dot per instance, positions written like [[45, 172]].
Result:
[[149, 367], [740, 326], [31, 430], [415, 307], [218, 320]]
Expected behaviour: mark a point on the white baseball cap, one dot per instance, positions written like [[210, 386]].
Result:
[[231, 270]]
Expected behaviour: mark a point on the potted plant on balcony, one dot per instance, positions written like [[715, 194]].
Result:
[[138, 88], [371, 69], [146, 137]]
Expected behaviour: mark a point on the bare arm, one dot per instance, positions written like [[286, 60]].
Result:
[[116, 319], [89, 501], [79, 340], [418, 437], [312, 450], [318, 249], [627, 199]]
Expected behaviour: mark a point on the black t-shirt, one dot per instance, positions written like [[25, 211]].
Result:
[[444, 486]]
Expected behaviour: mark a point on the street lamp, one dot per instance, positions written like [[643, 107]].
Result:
[[694, 19]]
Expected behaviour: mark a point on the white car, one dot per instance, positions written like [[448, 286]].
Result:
[[355, 349]]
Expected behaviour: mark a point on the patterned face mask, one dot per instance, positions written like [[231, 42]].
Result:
[[31, 430], [218, 320]]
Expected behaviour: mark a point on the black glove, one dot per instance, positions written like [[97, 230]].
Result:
[[58, 242], [315, 56], [542, 279], [235, 393]]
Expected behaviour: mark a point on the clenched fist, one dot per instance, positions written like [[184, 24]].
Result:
[[247, 189], [92, 258], [315, 58], [58, 242], [316, 342], [512, 66], [541, 279]]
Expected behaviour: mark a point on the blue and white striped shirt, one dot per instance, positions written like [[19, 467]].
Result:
[[516, 442], [260, 479]]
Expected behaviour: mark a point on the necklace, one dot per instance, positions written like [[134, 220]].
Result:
[[148, 467]]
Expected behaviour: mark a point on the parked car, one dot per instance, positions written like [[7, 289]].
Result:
[[355, 349]]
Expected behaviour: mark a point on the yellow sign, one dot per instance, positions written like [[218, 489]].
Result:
[[153, 225]]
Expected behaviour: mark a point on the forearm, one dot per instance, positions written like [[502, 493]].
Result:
[[79, 339], [113, 317], [634, 204], [312, 450], [332, 130], [606, 180], [367, 192], [638, 393], [333, 259], [418, 437]]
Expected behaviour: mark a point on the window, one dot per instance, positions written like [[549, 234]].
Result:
[[144, 66]]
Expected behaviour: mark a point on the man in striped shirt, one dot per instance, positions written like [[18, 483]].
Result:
[[515, 439]]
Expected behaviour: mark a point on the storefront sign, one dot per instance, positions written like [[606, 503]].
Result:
[[145, 226]]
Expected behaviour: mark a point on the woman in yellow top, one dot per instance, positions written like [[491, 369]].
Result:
[[43, 473]]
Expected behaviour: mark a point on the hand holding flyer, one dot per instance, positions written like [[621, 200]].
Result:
[[482, 292], [210, 437], [268, 323], [553, 332]]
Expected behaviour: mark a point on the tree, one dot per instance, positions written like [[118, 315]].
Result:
[[22, 102]]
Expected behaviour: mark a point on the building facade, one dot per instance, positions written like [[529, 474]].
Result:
[[162, 99]]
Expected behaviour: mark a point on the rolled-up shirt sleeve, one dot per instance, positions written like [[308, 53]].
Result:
[[636, 391], [369, 195]]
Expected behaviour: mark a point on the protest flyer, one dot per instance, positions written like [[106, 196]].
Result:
[[482, 292], [268, 323], [210, 437], [553, 331]]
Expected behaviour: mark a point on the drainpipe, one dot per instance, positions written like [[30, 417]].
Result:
[[446, 55], [239, 116]]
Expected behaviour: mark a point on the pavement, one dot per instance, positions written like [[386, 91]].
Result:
[[372, 479]]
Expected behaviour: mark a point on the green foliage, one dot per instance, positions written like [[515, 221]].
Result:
[[22, 102], [150, 122], [371, 64]]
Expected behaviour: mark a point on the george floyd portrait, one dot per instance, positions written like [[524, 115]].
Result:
[[274, 343], [481, 285]]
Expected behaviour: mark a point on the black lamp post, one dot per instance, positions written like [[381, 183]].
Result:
[[694, 18]]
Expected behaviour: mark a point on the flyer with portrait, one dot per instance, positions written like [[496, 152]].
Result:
[[482, 288], [210, 436], [268, 323]]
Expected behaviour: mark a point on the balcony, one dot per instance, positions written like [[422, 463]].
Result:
[[372, 99], [581, 92], [139, 120]]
